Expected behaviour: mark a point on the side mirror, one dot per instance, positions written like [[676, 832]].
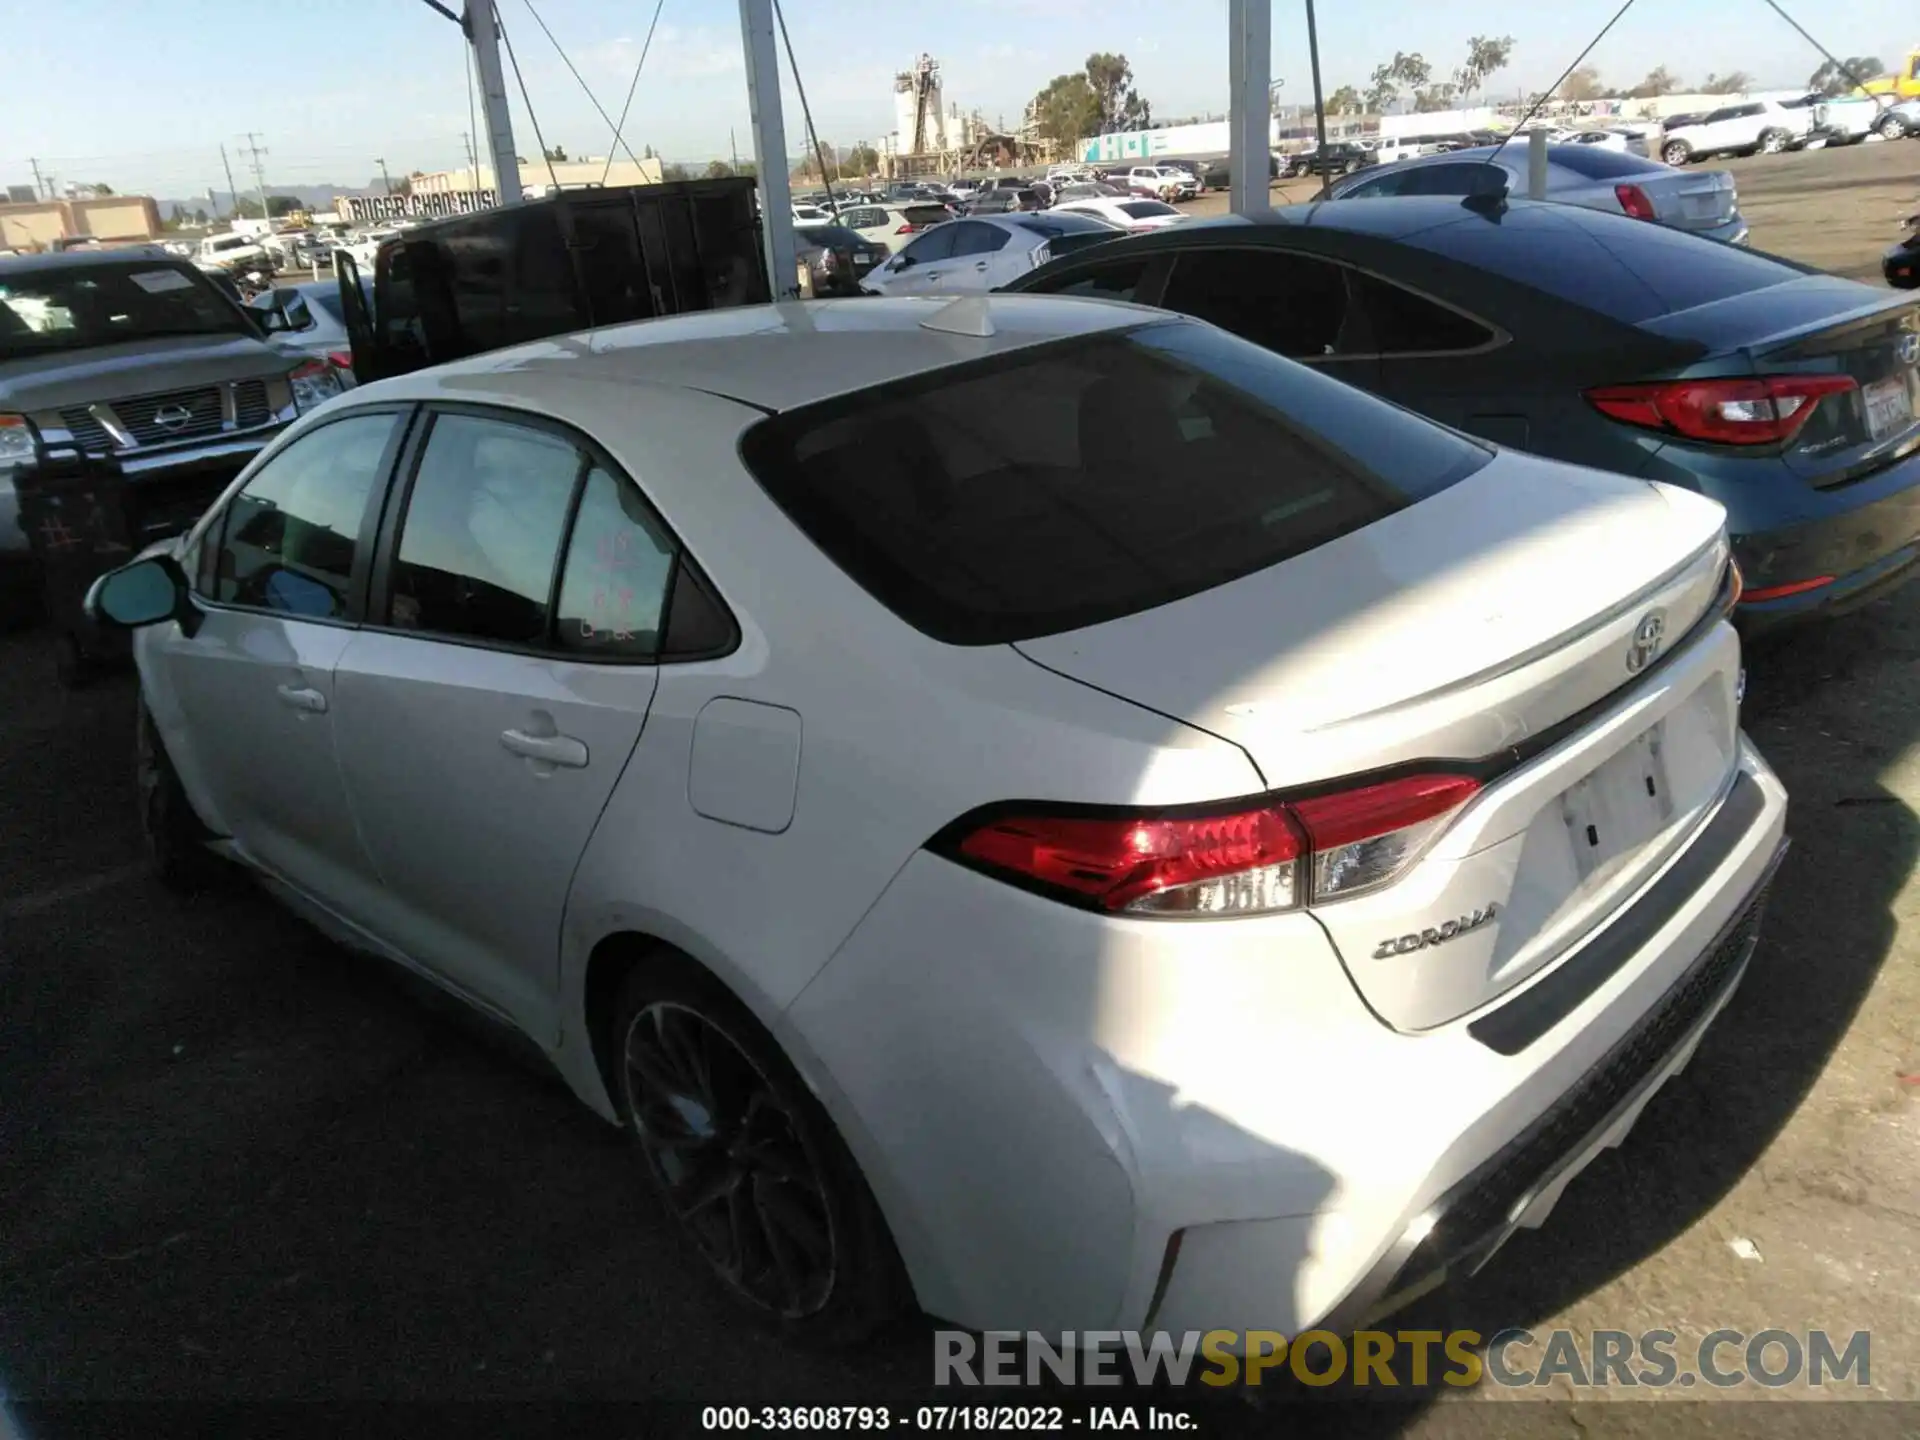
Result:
[[143, 593], [272, 319], [901, 262]]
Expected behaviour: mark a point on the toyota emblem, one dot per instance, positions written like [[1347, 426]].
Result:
[[1648, 636], [1909, 348]]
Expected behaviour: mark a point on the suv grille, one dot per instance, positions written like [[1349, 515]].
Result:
[[170, 415], [188, 414]]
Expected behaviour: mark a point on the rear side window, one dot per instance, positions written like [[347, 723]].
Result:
[[1596, 162], [1408, 324], [1294, 305], [1081, 482], [1626, 269]]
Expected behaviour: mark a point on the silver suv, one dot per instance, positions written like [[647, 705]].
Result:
[[137, 358]]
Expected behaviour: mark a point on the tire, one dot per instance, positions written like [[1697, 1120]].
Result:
[[1772, 142], [1676, 152], [1890, 128], [719, 1176], [175, 838]]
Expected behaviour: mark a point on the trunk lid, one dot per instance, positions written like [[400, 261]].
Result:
[[1493, 622], [1827, 326], [1689, 199]]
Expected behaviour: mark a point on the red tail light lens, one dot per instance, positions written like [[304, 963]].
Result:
[[907, 230], [1757, 411], [1241, 861], [341, 358], [1634, 201]]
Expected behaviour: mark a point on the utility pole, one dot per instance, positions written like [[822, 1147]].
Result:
[[39, 185], [759, 42], [473, 162], [733, 147], [485, 39], [256, 150], [232, 189], [385, 179]]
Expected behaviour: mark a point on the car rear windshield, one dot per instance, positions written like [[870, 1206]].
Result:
[[834, 235], [1142, 209], [1627, 269], [918, 215], [1597, 162], [89, 305], [1078, 482]]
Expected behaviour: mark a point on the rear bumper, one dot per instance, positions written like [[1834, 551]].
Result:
[[1864, 544]]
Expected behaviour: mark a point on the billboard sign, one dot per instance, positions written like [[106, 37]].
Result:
[[433, 205]]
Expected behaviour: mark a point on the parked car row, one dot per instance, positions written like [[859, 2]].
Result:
[[1770, 126], [1340, 603]]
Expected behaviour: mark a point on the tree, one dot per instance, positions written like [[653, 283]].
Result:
[[1737, 82], [1832, 79], [1485, 57], [1430, 98], [1067, 110], [1582, 84], [1121, 107], [557, 154], [646, 153], [1660, 81], [200, 216], [863, 160], [674, 172], [1345, 101], [1402, 73], [718, 170], [100, 189]]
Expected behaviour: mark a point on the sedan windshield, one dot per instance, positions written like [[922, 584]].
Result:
[[92, 305]]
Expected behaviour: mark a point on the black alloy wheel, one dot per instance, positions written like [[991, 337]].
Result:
[[730, 1159]]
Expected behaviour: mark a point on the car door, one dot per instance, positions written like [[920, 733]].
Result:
[[1292, 304], [916, 269], [489, 705], [279, 579], [978, 252]]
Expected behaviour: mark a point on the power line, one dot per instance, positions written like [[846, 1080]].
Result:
[[1547, 94], [634, 84], [618, 138], [526, 100], [806, 112]]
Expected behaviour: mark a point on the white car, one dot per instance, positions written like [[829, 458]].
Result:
[[805, 215], [230, 251], [894, 224], [1163, 181], [1025, 806], [1764, 127], [983, 252], [1124, 214], [1625, 142]]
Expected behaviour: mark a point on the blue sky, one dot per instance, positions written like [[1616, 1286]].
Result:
[[141, 96]]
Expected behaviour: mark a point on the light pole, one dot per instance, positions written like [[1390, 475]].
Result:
[[1319, 101], [385, 179]]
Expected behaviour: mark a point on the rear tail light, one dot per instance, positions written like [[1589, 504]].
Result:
[[907, 230], [1780, 592], [1634, 201], [1762, 411], [340, 359], [1248, 859]]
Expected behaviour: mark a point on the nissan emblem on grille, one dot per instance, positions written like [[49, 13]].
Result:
[[173, 417], [1648, 636]]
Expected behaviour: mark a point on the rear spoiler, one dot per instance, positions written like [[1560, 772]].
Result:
[[1778, 315]]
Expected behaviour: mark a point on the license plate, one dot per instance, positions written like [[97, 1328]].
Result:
[[1889, 407], [1620, 806], [861, 262]]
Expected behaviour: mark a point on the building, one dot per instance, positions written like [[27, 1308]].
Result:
[[38, 224], [534, 176], [930, 135]]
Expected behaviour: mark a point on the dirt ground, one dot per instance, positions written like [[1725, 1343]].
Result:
[[1838, 209], [237, 1164]]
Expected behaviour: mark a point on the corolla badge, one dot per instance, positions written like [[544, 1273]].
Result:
[[173, 417], [1648, 636], [1437, 934]]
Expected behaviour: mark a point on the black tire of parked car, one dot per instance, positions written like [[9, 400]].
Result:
[[778, 1142], [175, 837], [1773, 142]]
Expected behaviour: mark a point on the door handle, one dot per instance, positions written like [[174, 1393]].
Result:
[[554, 749], [933, 274], [981, 266], [302, 697]]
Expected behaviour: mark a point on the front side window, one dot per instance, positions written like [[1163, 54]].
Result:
[[937, 244], [1039, 492], [1117, 281], [288, 538], [482, 531]]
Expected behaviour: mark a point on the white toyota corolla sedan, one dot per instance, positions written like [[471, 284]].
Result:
[[1031, 807]]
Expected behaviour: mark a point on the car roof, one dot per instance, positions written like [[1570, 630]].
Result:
[[1512, 156], [773, 357]]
